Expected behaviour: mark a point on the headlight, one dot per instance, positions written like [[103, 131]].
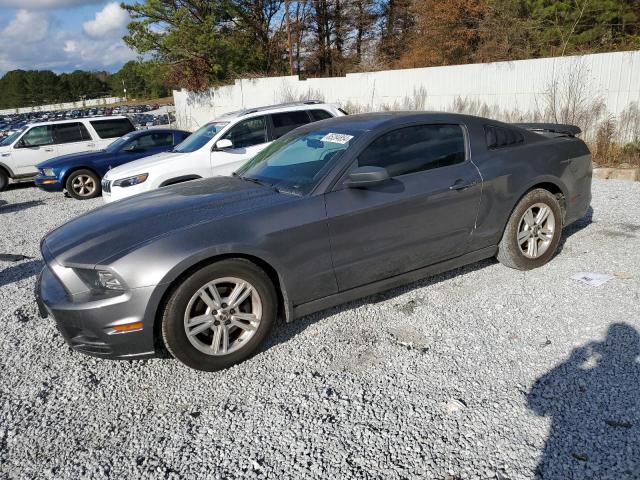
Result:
[[131, 181], [100, 279], [48, 172]]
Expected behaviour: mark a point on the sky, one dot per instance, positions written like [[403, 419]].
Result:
[[62, 35]]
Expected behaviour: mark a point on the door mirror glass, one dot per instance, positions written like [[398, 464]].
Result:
[[369, 176], [224, 144]]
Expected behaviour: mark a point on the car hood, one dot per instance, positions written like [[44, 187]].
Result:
[[143, 165], [122, 226], [71, 158]]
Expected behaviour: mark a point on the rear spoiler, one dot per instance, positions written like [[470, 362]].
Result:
[[560, 128]]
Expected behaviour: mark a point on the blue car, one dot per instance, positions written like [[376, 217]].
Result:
[[80, 173]]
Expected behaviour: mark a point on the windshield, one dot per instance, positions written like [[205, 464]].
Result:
[[118, 144], [199, 138], [298, 161], [11, 138]]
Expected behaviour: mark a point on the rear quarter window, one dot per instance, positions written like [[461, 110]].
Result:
[[112, 128], [319, 114], [499, 137]]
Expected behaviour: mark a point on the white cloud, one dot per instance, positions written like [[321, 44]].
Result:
[[110, 20], [38, 41], [29, 27], [42, 4]]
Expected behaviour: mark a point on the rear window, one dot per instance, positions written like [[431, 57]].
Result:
[[70, 132], [499, 137], [112, 128], [287, 121], [317, 115]]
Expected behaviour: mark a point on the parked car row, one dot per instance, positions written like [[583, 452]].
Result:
[[70, 163], [9, 123], [35, 143]]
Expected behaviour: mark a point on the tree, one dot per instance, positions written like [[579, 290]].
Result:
[[445, 33], [207, 42], [397, 29], [362, 16]]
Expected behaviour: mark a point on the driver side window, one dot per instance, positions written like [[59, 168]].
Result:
[[37, 137], [415, 149], [247, 133], [152, 140]]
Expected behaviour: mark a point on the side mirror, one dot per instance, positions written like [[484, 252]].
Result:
[[224, 144], [363, 177]]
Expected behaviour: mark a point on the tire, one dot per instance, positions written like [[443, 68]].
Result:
[[4, 180], [83, 185], [539, 237], [212, 321]]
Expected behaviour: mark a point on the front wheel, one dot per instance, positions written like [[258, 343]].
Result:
[[4, 181], [83, 184], [219, 315], [533, 231]]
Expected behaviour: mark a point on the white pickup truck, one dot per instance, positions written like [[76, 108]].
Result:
[[36, 142]]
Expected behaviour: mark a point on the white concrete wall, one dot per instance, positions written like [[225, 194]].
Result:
[[518, 89], [64, 106]]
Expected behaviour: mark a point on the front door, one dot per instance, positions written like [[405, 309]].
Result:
[[424, 214], [248, 138], [34, 147]]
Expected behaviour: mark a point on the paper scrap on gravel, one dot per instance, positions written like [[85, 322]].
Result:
[[593, 279]]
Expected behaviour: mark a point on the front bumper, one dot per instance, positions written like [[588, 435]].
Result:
[[86, 321], [48, 184]]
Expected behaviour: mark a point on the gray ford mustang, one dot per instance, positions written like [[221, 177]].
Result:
[[331, 212]]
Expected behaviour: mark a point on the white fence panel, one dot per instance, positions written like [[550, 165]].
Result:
[[525, 89], [95, 102]]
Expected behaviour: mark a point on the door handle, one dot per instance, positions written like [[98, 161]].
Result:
[[460, 185], [48, 149], [91, 144]]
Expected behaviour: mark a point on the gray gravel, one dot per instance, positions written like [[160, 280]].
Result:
[[484, 372]]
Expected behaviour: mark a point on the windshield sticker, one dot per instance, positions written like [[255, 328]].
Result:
[[337, 138]]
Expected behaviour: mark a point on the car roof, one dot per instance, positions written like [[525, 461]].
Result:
[[75, 120], [280, 107], [371, 121]]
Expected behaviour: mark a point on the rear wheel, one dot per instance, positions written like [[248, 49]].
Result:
[[219, 315], [83, 184], [4, 180], [533, 231]]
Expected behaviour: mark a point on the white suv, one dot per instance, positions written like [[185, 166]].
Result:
[[34, 143], [218, 148]]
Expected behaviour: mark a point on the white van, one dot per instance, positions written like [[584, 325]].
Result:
[[217, 148], [34, 143]]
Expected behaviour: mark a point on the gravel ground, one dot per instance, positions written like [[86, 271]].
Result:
[[483, 372]]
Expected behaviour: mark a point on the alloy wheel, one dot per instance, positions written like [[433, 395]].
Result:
[[536, 230], [222, 316], [83, 185]]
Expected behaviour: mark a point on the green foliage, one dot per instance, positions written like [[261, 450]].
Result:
[[207, 42], [141, 79], [20, 88], [632, 147]]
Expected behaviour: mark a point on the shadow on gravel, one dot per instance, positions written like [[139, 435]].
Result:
[[575, 227], [19, 186], [284, 332], [20, 271], [593, 400], [16, 207]]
